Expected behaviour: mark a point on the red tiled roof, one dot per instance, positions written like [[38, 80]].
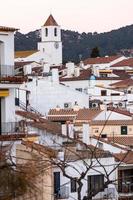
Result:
[[122, 140], [29, 115], [121, 73], [123, 84], [111, 122], [14, 137], [112, 143], [7, 29], [13, 80], [86, 74], [51, 127], [87, 114], [40, 122], [70, 114], [100, 60], [125, 157], [22, 63], [62, 112], [120, 111], [123, 63], [50, 21], [40, 148]]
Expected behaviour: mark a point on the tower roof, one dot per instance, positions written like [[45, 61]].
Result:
[[50, 21]]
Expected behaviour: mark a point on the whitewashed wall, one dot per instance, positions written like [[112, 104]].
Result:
[[45, 94]]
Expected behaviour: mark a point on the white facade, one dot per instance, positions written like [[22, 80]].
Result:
[[48, 93], [50, 47], [110, 115], [6, 48], [77, 167]]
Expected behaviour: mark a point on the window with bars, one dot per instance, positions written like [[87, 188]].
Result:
[[95, 183], [73, 185]]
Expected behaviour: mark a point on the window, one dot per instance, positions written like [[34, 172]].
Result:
[[115, 94], [100, 145], [55, 32], [79, 89], [123, 130], [103, 75], [73, 185], [56, 182], [96, 130], [95, 183], [46, 32], [103, 92]]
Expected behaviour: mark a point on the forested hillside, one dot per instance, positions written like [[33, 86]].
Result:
[[78, 46]]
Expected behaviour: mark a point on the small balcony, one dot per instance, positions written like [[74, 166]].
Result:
[[125, 183], [7, 71], [7, 75]]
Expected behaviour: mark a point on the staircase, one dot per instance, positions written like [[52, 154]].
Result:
[[29, 108]]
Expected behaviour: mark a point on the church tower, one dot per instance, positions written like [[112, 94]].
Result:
[[51, 45]]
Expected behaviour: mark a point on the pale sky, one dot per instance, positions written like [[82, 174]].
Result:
[[78, 15]]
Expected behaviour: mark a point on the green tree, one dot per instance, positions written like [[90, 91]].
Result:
[[95, 52]]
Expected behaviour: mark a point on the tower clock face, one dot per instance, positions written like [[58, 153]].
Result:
[[56, 45]]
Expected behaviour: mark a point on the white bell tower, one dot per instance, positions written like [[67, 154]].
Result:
[[51, 45]]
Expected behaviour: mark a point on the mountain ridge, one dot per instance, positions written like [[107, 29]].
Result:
[[77, 46]]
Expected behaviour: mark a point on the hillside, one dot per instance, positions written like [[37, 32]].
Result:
[[77, 46]]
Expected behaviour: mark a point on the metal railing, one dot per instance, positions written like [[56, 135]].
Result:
[[7, 70], [126, 187], [28, 108]]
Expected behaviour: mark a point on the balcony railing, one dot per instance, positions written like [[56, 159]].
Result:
[[126, 186], [7, 71]]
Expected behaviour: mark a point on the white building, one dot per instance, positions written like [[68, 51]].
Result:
[[8, 82], [47, 93], [50, 47]]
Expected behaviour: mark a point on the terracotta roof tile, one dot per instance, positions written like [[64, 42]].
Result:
[[86, 74], [123, 63], [87, 114], [123, 84], [30, 115], [50, 21], [7, 29], [40, 148], [122, 140], [111, 122], [22, 63], [84, 114], [40, 122], [110, 142], [120, 111], [100, 60], [14, 137], [125, 157]]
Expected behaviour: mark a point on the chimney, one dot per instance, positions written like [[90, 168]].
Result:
[[71, 130], [86, 133], [64, 129], [70, 69], [46, 68], [27, 69], [55, 76], [61, 155], [77, 71]]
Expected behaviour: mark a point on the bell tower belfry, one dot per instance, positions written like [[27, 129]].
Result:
[[51, 45]]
